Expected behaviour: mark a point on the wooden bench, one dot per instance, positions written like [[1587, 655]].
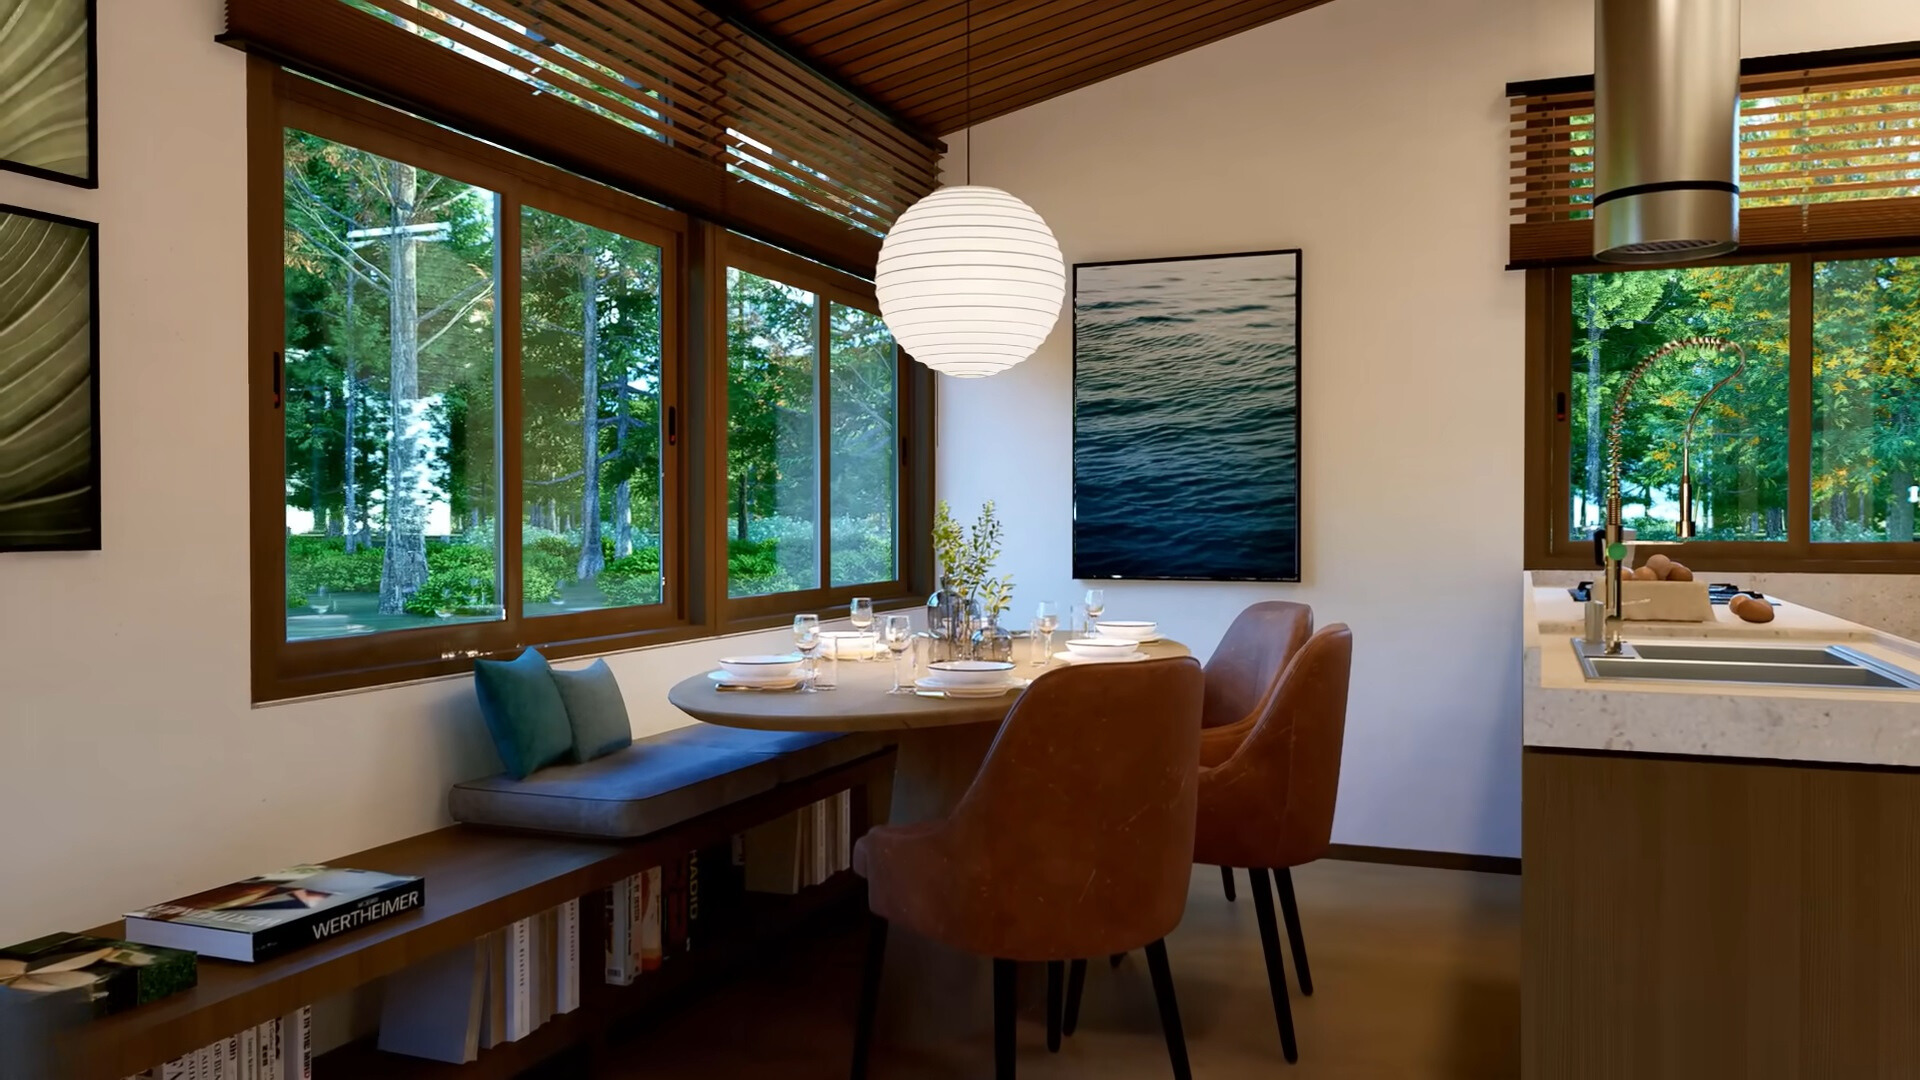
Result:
[[479, 880]]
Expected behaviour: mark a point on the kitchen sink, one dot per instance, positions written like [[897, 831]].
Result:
[[1768, 665]]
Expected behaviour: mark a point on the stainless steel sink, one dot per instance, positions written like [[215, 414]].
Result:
[[1769, 665]]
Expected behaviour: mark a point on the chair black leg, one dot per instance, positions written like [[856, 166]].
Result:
[[1226, 879], [1169, 1010], [1056, 974], [1290, 911], [1114, 960], [1076, 985], [1005, 983], [869, 995], [1276, 971]]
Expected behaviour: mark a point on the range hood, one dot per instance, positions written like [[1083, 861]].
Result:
[[1666, 112]]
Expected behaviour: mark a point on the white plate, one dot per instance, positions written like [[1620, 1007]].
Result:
[[1076, 658], [786, 682], [939, 685]]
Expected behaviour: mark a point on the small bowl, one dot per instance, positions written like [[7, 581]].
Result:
[[1131, 631], [972, 672], [780, 666], [1102, 648]]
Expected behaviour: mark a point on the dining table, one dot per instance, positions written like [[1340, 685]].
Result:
[[931, 993]]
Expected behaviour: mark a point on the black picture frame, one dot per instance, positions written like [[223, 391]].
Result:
[[1088, 567], [91, 538], [91, 179]]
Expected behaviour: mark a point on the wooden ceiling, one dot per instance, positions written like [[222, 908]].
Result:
[[910, 57]]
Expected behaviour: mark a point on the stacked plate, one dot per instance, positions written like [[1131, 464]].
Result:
[[1131, 630], [1101, 650], [767, 672], [970, 678]]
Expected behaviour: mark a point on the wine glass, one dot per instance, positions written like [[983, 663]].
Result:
[[806, 637], [860, 613], [898, 632], [1046, 619], [1096, 607]]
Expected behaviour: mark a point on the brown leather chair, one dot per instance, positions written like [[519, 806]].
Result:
[[1243, 672], [1075, 839], [1269, 807]]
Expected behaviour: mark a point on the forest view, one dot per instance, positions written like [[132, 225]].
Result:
[[390, 401], [1865, 408]]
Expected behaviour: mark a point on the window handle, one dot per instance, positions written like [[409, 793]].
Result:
[[673, 426], [1560, 406], [278, 363]]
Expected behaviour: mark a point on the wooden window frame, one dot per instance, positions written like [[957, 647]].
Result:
[[1548, 544], [693, 385]]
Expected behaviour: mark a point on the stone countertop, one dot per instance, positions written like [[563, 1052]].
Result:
[[1564, 709]]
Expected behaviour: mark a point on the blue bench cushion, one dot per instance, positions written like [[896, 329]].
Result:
[[654, 784]]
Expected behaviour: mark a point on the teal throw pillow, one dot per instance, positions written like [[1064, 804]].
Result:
[[524, 712], [595, 709]]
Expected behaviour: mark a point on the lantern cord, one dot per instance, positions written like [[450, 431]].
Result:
[[967, 74]]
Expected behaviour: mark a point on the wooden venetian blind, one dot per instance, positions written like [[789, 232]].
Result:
[[1829, 154], [663, 98]]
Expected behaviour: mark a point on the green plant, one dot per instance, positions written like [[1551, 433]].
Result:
[[967, 556], [634, 579], [459, 581]]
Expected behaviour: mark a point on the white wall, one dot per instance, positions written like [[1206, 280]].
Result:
[[1373, 134], [132, 767]]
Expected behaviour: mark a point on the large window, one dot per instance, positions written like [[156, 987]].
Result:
[[473, 422], [1808, 459]]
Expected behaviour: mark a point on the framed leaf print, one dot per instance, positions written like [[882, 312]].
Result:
[[49, 382], [47, 90]]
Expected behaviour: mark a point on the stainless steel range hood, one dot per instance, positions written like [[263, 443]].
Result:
[[1666, 111]]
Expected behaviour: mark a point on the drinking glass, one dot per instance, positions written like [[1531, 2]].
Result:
[[806, 637], [898, 632], [860, 613], [1096, 607], [1046, 619]]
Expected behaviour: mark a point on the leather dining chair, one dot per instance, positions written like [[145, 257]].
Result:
[[1242, 673], [1075, 839], [1269, 807]]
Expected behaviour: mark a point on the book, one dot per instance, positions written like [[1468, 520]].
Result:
[[673, 918], [494, 1029], [650, 943], [250, 1054], [230, 1058], [617, 905], [273, 1063], [567, 970], [297, 1044], [773, 855], [434, 1009], [268, 915], [519, 959], [116, 975]]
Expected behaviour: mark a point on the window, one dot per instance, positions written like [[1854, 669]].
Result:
[[1807, 460], [473, 420]]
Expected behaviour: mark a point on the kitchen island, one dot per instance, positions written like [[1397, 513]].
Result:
[[1721, 879]]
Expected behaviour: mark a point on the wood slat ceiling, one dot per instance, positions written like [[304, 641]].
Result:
[[910, 57]]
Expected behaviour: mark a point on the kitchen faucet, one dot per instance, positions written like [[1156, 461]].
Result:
[[1616, 549]]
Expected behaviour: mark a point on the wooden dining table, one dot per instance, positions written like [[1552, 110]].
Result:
[[932, 993]]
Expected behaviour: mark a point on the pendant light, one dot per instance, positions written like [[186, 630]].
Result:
[[970, 280]]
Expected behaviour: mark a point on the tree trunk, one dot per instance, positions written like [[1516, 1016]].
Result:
[[1899, 509], [592, 559], [1837, 512], [623, 491], [404, 567], [349, 479], [1594, 494], [742, 527]]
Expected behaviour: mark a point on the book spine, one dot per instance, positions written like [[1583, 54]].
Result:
[[230, 1058], [298, 1026], [693, 899], [845, 861], [569, 974], [636, 914], [619, 968], [519, 960], [650, 948], [250, 1054], [674, 931], [276, 1060], [321, 925]]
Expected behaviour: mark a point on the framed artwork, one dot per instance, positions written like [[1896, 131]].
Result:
[[1186, 418], [49, 382], [47, 69]]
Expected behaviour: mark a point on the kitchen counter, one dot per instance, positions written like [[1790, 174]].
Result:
[[1565, 710]]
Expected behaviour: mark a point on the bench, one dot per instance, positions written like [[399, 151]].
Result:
[[525, 847]]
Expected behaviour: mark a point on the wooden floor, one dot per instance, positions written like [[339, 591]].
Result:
[[1416, 976]]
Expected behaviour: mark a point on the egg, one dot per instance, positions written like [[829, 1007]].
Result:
[[1677, 572], [1659, 564], [1646, 573], [1751, 610]]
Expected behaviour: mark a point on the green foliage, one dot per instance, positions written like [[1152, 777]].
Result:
[[863, 549], [632, 580], [967, 555], [459, 581], [322, 562]]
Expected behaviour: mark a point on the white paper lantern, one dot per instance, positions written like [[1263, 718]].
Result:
[[970, 281]]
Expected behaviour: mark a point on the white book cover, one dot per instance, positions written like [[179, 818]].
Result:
[[194, 1061], [274, 1062], [519, 980], [250, 1054], [173, 1070], [567, 973], [617, 907], [230, 1058], [636, 919], [298, 1041], [651, 950]]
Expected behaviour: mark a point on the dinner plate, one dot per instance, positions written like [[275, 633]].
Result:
[[939, 685], [1075, 658], [785, 683]]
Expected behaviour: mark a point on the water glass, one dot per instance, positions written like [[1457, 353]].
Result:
[[1077, 626], [1096, 607], [806, 638], [860, 614], [1046, 619], [897, 631]]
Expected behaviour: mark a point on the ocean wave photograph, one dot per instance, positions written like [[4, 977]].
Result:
[[1186, 409]]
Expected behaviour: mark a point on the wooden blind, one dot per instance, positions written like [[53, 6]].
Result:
[[663, 98], [1829, 155]]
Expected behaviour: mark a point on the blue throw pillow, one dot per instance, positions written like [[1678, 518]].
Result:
[[595, 709], [524, 712]]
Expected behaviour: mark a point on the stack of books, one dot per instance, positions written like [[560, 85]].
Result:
[[114, 975], [803, 848], [669, 910], [265, 916], [276, 1050], [497, 989]]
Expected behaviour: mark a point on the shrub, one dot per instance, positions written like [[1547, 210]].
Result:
[[322, 562], [459, 579], [634, 579]]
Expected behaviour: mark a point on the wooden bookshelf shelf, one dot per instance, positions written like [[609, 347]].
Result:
[[478, 881]]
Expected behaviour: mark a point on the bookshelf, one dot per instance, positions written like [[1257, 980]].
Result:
[[478, 880]]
